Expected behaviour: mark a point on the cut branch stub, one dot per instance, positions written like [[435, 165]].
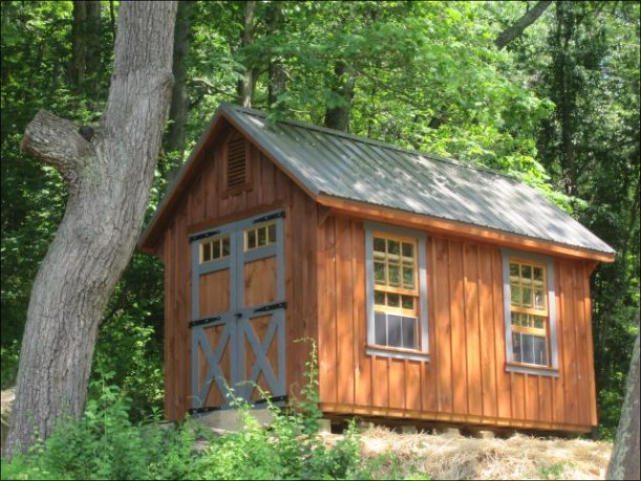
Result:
[[57, 141]]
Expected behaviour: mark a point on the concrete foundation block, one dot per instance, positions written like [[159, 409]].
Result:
[[324, 426], [450, 432], [408, 429], [232, 421]]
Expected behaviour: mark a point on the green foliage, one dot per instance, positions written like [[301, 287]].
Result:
[[552, 471], [558, 108], [586, 61], [9, 356], [130, 341], [105, 444]]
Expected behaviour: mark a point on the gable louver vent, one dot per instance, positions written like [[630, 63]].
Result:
[[236, 166]]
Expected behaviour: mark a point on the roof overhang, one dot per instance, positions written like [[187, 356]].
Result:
[[458, 229], [224, 117]]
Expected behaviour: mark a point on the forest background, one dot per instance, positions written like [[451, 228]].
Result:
[[555, 104]]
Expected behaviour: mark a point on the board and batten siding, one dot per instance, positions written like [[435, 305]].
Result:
[[465, 379], [204, 204]]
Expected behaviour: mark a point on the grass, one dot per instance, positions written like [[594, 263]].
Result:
[[444, 456]]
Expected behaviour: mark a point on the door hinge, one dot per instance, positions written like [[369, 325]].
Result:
[[274, 399], [202, 235], [271, 307], [265, 218], [204, 409], [206, 320]]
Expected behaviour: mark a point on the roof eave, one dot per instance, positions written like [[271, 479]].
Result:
[[461, 229], [148, 240]]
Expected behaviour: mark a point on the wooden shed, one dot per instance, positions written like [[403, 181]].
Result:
[[434, 290]]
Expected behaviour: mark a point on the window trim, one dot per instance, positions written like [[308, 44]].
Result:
[[422, 353], [511, 365]]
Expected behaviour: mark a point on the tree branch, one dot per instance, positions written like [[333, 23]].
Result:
[[57, 142], [528, 18]]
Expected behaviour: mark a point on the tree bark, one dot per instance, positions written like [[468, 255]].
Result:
[[337, 117], [179, 100], [108, 179], [515, 30], [624, 463], [277, 75], [247, 83], [85, 34]]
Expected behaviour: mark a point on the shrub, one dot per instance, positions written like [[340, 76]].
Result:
[[106, 444]]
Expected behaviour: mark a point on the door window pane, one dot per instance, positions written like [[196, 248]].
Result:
[[214, 248], [260, 236], [251, 239], [206, 252]]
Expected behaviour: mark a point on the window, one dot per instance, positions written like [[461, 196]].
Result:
[[214, 248], [260, 236], [530, 311], [396, 290]]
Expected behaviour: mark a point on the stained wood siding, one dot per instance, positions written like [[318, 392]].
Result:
[[207, 203], [465, 380]]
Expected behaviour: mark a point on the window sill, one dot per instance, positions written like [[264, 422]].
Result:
[[531, 369], [396, 353]]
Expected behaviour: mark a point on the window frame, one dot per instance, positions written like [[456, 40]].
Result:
[[551, 369], [420, 238], [210, 241]]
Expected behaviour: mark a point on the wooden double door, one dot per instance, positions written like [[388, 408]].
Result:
[[238, 312]]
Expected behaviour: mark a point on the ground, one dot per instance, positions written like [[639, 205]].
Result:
[[452, 456]]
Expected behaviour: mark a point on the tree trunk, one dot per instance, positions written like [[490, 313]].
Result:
[[337, 117], [179, 100], [624, 463], [515, 30], [276, 71], [108, 179], [247, 83], [86, 41]]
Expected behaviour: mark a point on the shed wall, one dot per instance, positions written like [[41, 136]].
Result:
[[203, 205], [465, 380]]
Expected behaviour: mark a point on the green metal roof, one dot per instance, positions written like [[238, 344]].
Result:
[[340, 165], [344, 166]]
